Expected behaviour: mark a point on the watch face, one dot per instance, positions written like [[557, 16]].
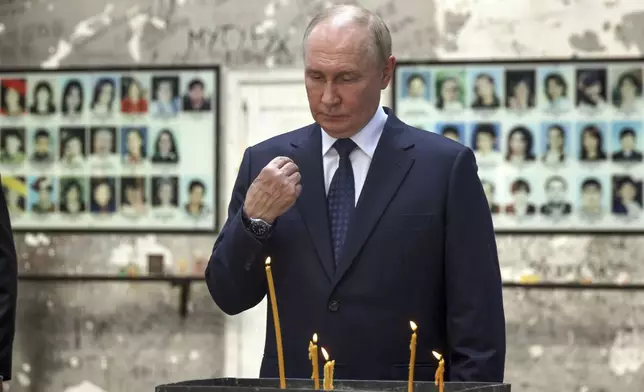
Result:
[[259, 227]]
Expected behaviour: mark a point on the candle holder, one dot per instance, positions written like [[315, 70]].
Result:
[[304, 385]]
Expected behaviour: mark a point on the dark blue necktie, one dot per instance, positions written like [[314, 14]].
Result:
[[341, 197]]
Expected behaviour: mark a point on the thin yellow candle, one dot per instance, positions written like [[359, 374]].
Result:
[[329, 366], [313, 356], [412, 356], [440, 372], [276, 322]]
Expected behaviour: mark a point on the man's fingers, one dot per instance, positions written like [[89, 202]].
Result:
[[295, 177], [279, 162], [289, 168]]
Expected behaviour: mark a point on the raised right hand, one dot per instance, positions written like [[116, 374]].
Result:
[[274, 191]]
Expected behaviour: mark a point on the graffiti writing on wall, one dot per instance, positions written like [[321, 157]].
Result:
[[239, 45]]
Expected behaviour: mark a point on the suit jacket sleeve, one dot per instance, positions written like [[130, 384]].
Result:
[[235, 274], [8, 289], [475, 317]]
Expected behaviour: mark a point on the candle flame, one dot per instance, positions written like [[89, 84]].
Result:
[[437, 355], [315, 338], [325, 354], [413, 326], [268, 261]]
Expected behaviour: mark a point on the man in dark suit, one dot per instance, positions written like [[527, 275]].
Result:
[[370, 223], [8, 291]]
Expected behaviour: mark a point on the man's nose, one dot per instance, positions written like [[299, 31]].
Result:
[[329, 96]]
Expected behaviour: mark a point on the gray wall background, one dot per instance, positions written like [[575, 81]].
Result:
[[68, 333]]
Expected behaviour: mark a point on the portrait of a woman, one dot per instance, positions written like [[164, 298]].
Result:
[[133, 96], [102, 199], [43, 99], [555, 90], [555, 145], [591, 89], [72, 99], [103, 97], [13, 97], [449, 94], [627, 93], [485, 94], [520, 145], [72, 197], [592, 144], [521, 205], [134, 149], [519, 90], [165, 148], [195, 207]]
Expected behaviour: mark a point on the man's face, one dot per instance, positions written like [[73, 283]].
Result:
[[196, 195], [343, 80], [196, 93], [417, 88], [591, 196], [165, 91], [627, 192], [628, 142], [521, 195], [484, 142], [556, 191], [13, 145], [43, 194], [42, 144], [165, 193]]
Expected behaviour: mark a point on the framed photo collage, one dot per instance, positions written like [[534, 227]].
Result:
[[110, 150], [558, 144]]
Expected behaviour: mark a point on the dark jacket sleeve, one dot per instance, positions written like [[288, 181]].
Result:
[[475, 316], [8, 289], [235, 274]]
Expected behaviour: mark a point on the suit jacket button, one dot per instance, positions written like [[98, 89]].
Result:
[[334, 306]]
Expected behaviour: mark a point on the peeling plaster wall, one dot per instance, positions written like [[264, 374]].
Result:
[[69, 334]]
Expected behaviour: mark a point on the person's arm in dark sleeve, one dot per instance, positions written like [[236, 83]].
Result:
[[235, 275], [475, 316], [8, 289]]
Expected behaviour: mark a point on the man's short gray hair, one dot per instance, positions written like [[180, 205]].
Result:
[[380, 45]]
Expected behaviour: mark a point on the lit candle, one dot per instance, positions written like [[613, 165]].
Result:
[[412, 356], [327, 383], [313, 356], [438, 376], [276, 322]]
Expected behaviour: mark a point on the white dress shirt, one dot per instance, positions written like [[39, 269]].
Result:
[[366, 140]]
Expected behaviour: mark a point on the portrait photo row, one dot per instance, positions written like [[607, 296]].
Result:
[[558, 145], [127, 149]]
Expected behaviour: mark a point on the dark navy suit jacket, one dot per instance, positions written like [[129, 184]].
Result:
[[420, 247], [8, 289]]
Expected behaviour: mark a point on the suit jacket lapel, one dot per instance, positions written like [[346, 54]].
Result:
[[307, 154], [388, 169]]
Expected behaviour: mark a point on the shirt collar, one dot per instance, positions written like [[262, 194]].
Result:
[[366, 139]]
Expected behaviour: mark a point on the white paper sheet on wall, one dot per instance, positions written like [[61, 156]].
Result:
[[273, 109]]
